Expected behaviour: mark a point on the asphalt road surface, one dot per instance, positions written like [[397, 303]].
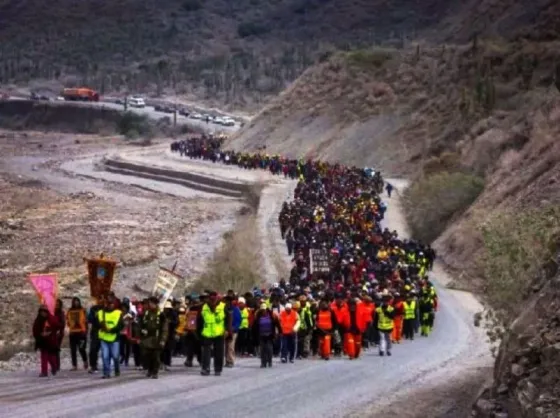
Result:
[[308, 388]]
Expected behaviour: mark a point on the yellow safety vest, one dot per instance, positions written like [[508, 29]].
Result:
[[244, 319], [111, 320], [214, 322], [409, 309], [384, 323]]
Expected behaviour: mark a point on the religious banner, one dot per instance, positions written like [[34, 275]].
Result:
[[46, 286], [319, 260], [100, 274], [165, 283]]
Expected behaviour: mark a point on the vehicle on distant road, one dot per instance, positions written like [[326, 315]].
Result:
[[136, 101], [80, 94], [196, 116], [184, 111], [38, 96], [227, 121]]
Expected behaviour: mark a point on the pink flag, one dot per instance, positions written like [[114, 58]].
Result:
[[46, 286]]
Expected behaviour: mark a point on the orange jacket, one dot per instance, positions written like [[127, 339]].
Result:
[[368, 309], [359, 319], [288, 321], [339, 313]]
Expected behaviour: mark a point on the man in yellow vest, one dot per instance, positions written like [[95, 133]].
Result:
[[110, 325], [384, 321], [212, 326], [409, 307]]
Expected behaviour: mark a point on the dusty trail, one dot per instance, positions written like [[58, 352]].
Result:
[[307, 389]]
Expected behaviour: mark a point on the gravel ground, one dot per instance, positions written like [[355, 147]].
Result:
[[52, 217], [306, 389]]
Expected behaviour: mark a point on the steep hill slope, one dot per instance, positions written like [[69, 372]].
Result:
[[237, 52]]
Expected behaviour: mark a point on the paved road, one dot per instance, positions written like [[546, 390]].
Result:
[[309, 388], [150, 112]]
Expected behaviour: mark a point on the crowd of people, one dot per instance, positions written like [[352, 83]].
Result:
[[372, 290]]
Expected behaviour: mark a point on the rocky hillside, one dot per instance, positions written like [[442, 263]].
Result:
[[237, 52]]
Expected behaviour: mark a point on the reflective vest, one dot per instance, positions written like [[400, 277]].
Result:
[[244, 319], [409, 309], [305, 316], [191, 320], [324, 320], [288, 321], [111, 320], [384, 323], [214, 322]]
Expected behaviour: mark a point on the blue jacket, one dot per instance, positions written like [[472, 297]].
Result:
[[235, 318]]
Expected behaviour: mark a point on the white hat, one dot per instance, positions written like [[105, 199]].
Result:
[[167, 305], [241, 299], [288, 305]]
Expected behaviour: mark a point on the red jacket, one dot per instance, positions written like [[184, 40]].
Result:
[[354, 321], [52, 326], [339, 313]]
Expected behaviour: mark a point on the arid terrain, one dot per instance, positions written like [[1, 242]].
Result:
[[51, 219]]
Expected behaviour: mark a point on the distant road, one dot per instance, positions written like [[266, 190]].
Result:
[[150, 112]]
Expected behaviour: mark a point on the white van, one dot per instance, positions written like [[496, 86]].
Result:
[[136, 102]]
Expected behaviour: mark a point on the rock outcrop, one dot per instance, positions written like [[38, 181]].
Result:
[[527, 371]]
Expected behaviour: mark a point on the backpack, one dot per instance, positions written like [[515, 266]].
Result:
[[265, 326]]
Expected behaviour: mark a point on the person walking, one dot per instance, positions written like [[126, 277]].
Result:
[[192, 342], [289, 324], [243, 335], [154, 329], [45, 328], [94, 342], [396, 336], [384, 322], [212, 326], [110, 325], [61, 316], [325, 321], [234, 315], [305, 329], [77, 332], [171, 321], [264, 329], [409, 307]]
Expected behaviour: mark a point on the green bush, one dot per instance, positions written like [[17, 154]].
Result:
[[251, 29], [370, 58], [516, 247], [431, 202], [133, 125]]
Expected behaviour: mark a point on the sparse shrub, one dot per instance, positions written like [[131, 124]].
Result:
[[235, 265], [516, 246], [192, 5], [372, 58], [430, 203], [133, 125], [251, 29]]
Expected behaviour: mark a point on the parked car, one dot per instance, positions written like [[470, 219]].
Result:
[[227, 121], [184, 111], [196, 116]]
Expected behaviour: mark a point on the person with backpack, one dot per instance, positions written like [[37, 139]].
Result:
[[265, 327]]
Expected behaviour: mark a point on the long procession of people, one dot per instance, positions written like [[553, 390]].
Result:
[[373, 291]]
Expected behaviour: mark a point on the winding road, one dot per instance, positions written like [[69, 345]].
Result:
[[308, 388]]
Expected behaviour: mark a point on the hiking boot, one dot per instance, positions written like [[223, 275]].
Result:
[[44, 375], [389, 353], [188, 364], [117, 373], [74, 369], [105, 376], [381, 353], [284, 360], [229, 365], [263, 366], [154, 376], [217, 373], [205, 372], [292, 361], [85, 366]]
